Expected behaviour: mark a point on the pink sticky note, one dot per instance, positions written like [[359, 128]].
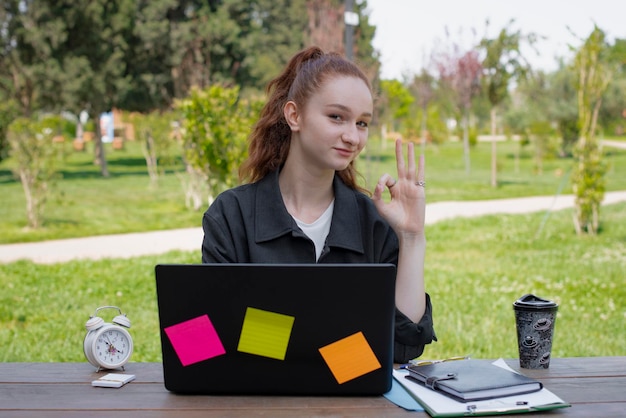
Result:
[[195, 340]]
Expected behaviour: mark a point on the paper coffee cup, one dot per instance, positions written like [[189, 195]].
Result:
[[534, 318]]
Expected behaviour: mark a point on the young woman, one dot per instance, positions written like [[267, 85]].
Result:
[[301, 202]]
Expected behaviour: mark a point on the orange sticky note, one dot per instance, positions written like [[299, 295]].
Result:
[[350, 357]]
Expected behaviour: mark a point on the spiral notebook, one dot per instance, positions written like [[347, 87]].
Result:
[[268, 329]]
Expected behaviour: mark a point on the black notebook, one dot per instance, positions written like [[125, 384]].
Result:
[[472, 380]]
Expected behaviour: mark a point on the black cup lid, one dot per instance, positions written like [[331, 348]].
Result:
[[531, 301]]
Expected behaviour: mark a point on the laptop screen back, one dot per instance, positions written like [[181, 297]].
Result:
[[277, 329]]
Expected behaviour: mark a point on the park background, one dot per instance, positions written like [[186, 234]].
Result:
[[183, 82]]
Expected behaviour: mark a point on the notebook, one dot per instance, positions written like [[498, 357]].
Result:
[[439, 405], [283, 329], [473, 380]]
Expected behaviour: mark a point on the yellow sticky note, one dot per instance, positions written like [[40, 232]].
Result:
[[350, 357], [265, 333]]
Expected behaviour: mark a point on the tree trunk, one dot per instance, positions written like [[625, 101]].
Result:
[[100, 158], [31, 199], [383, 136], [494, 153], [466, 146], [424, 128], [150, 154]]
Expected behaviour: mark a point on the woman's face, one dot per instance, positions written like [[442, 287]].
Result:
[[332, 128]]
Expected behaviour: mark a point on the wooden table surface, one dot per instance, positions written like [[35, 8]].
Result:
[[595, 386]]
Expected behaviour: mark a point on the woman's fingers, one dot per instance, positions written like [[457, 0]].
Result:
[[421, 169], [408, 170], [412, 172], [400, 159]]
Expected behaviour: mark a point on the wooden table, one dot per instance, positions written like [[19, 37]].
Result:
[[596, 387]]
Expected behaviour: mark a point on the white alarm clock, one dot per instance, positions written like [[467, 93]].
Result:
[[108, 345]]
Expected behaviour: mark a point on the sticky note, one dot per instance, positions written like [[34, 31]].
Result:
[[350, 357], [195, 340], [265, 333]]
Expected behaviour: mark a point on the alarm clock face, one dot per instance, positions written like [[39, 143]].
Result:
[[112, 347]]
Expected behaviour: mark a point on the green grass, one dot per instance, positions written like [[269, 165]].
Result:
[[476, 268], [44, 308], [518, 174], [85, 204]]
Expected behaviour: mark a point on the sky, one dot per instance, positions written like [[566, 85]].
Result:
[[407, 31]]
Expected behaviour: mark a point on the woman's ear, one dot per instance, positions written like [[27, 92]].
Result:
[[290, 110]]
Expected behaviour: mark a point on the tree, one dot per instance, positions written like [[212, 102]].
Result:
[[138, 55], [459, 74], [563, 106], [530, 115], [326, 24], [611, 117], [156, 131], [15, 79], [502, 63], [396, 103], [70, 55], [8, 112], [280, 28], [364, 52], [594, 75], [35, 156], [423, 87]]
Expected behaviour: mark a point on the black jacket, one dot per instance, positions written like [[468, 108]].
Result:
[[250, 224]]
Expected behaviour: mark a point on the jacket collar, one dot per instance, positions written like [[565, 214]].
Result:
[[272, 219]]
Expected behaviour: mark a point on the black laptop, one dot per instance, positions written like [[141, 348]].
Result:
[[277, 329]]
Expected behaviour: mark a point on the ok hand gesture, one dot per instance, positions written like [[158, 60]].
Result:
[[406, 210]]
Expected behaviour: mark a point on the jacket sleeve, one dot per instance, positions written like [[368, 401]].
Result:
[[410, 337]]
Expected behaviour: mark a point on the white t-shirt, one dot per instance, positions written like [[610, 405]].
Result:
[[318, 230]]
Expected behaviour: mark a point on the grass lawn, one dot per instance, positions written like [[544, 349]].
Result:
[[476, 268], [518, 174], [85, 204]]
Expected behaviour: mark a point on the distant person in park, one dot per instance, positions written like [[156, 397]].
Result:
[[301, 202]]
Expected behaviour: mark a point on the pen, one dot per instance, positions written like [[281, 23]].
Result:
[[518, 406], [418, 362]]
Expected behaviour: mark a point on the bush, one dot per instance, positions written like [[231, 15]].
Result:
[[216, 125]]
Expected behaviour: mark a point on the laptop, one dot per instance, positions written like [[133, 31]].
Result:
[[277, 329]]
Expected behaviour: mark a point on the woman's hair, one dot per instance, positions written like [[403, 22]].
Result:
[[302, 77]]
